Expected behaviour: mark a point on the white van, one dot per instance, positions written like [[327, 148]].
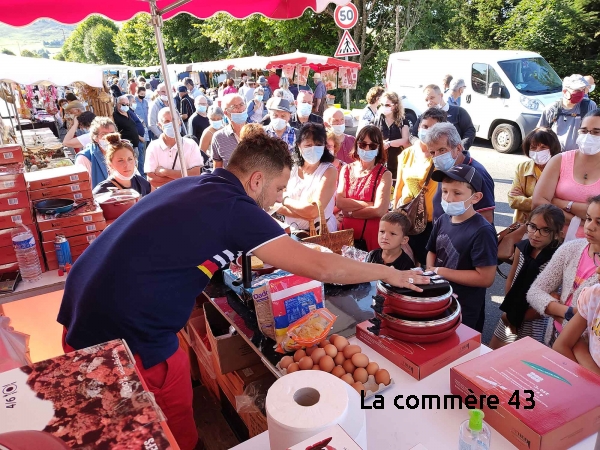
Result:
[[506, 90]]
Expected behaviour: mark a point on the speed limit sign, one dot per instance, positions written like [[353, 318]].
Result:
[[346, 16]]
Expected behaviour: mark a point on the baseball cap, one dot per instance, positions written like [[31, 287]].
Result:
[[279, 104], [262, 79], [182, 89], [74, 105], [461, 172], [575, 81]]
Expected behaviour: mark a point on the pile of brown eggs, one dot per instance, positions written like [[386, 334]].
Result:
[[336, 356]]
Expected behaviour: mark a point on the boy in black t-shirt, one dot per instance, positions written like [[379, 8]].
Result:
[[392, 236], [463, 247]]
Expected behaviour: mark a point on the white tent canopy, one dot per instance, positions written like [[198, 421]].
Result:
[[247, 63], [22, 70]]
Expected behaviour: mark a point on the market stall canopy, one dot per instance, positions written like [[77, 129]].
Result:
[[22, 70], [24, 12], [317, 63], [247, 63]]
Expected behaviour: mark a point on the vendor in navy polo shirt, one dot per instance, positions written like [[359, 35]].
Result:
[[139, 280], [445, 147]]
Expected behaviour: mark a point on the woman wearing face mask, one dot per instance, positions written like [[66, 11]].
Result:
[[284, 85], [364, 188], [394, 127], [571, 177], [199, 120], [121, 163], [256, 108], [334, 120], [540, 145], [215, 118], [92, 157], [313, 179]]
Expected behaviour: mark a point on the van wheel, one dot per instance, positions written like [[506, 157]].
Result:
[[506, 138], [411, 118]]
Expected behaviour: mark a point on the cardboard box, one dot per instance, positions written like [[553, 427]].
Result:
[[6, 238], [11, 153], [60, 176], [76, 196], [95, 400], [8, 219], [334, 437], [59, 191], [421, 360], [13, 200], [86, 215], [7, 268], [8, 255], [12, 182], [53, 263], [82, 239], [567, 396], [231, 352], [75, 252], [68, 232]]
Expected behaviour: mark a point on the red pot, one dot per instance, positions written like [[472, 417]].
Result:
[[415, 314], [115, 203], [419, 338], [422, 326], [431, 301]]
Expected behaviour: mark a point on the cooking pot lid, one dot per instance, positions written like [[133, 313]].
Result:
[[437, 287]]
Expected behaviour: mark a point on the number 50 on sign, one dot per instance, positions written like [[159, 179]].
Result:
[[346, 16]]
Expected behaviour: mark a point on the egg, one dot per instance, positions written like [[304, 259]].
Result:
[[382, 376], [348, 366], [299, 355], [317, 354], [359, 387], [293, 367], [305, 363], [338, 371], [322, 344], [372, 368], [326, 363], [332, 338], [360, 360], [285, 362], [340, 342], [348, 379], [361, 375], [309, 350], [316, 367], [351, 350], [339, 359], [331, 350]]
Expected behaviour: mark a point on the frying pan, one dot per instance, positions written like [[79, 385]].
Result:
[[419, 338], [54, 206]]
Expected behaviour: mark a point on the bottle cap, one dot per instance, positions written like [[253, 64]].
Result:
[[476, 419]]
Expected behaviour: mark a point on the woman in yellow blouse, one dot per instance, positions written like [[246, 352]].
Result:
[[540, 145], [414, 164]]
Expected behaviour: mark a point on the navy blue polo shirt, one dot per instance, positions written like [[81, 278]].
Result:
[[485, 204], [139, 279]]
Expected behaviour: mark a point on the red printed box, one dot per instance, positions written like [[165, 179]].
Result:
[[75, 196], [10, 154], [13, 200], [8, 255], [8, 219], [82, 239], [58, 191], [12, 182], [558, 400], [56, 177], [8, 268], [76, 250], [86, 215], [421, 360], [68, 232]]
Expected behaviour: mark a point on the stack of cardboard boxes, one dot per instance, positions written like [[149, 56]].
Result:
[[80, 227], [14, 205]]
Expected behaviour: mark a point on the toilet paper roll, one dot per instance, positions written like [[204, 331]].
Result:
[[302, 404]]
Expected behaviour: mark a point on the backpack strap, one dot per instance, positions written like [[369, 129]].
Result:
[[584, 106]]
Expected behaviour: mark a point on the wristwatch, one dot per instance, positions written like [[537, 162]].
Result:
[[569, 206], [569, 313]]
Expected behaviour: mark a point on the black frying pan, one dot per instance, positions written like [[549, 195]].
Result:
[[54, 206]]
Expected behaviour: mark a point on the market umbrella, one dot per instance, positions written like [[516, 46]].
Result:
[[318, 63], [23, 12]]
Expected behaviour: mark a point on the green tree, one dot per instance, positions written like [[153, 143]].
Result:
[[30, 54], [99, 47], [186, 42], [43, 53], [135, 42], [6, 51], [74, 48], [59, 56]]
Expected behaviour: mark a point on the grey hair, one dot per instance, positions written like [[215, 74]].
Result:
[[455, 85], [131, 98], [433, 87], [440, 130], [122, 97], [197, 100], [278, 93], [163, 112], [214, 110], [161, 85], [284, 83]]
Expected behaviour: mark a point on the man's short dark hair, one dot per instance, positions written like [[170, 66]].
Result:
[[141, 89], [397, 218], [435, 114], [71, 97], [188, 81], [260, 152], [85, 119]]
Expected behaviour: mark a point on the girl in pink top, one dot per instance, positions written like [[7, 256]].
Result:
[[230, 89]]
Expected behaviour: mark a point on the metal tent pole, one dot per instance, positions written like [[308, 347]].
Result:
[[17, 114], [157, 24]]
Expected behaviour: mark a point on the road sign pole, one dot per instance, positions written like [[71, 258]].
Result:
[[347, 92]]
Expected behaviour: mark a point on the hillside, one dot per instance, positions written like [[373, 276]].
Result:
[[31, 37]]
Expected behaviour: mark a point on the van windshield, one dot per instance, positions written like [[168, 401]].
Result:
[[532, 76]]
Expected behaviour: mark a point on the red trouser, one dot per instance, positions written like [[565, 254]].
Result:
[[171, 384]]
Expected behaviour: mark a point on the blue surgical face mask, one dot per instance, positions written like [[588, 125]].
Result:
[[455, 208], [133, 106], [239, 118], [338, 130], [124, 108], [304, 109], [367, 155], [278, 124], [444, 162], [201, 108], [422, 133], [312, 155], [216, 124], [168, 129]]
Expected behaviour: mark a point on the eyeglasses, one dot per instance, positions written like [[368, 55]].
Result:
[[387, 105], [371, 145], [594, 132], [531, 228], [238, 107], [596, 257]]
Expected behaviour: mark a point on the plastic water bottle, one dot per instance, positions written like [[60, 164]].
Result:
[[474, 433], [27, 255]]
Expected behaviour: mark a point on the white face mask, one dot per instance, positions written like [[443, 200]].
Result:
[[540, 157], [164, 98], [588, 144], [385, 110], [278, 124], [115, 173], [338, 129], [103, 144]]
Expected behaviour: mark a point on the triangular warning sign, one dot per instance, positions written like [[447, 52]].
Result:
[[347, 46]]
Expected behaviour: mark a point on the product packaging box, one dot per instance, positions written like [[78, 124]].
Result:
[[52, 259], [74, 241], [421, 360], [8, 255], [332, 438], [13, 200], [8, 219], [91, 398], [59, 191], [77, 230], [546, 401], [60, 176], [12, 178], [11, 153], [231, 351], [85, 215], [75, 196], [8, 268]]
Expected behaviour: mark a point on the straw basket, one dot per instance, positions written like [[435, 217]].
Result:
[[332, 240]]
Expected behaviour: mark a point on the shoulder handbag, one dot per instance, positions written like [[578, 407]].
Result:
[[416, 209], [507, 239], [361, 243], [332, 240]]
